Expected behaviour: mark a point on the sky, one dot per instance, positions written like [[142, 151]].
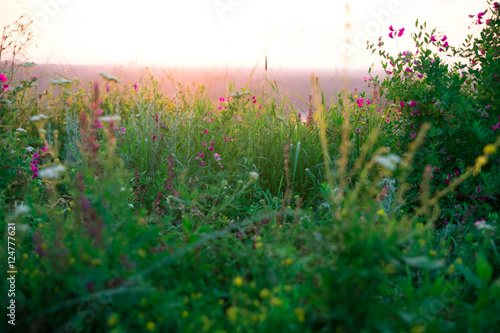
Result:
[[230, 33]]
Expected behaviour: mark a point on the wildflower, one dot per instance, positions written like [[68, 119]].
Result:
[[221, 99], [301, 314], [420, 76], [154, 138], [204, 144], [113, 319], [202, 155], [110, 118], [490, 149], [150, 326], [401, 31], [232, 313], [444, 38], [408, 70], [202, 163], [264, 293], [413, 104], [211, 148], [433, 39], [413, 135], [391, 28], [381, 212], [238, 281], [52, 172], [445, 44], [211, 143], [206, 131], [3, 78], [451, 269], [110, 77], [254, 175], [402, 104], [277, 302], [433, 253], [390, 35]]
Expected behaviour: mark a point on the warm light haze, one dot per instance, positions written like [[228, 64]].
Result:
[[227, 33]]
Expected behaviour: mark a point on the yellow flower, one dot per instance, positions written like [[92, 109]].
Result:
[[25, 256], [258, 245], [381, 212], [113, 319], [232, 313], [433, 253], [264, 293], [238, 281], [221, 301], [490, 149], [301, 314], [287, 288], [142, 253], [185, 314], [288, 261], [150, 326], [481, 161], [417, 329], [459, 261], [451, 269], [275, 301]]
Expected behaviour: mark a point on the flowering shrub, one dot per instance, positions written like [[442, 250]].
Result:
[[457, 90]]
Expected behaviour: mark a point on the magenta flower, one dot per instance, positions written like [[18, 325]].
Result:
[[154, 138], [445, 44], [495, 5], [444, 38], [206, 131], [35, 155], [402, 104], [135, 87], [202, 155], [420, 76], [389, 72], [98, 124], [413, 135], [433, 39], [480, 15], [3, 78], [390, 35], [5, 87], [413, 104], [408, 70], [391, 28], [203, 144], [44, 149], [221, 99], [211, 148], [401, 31], [368, 102], [202, 163]]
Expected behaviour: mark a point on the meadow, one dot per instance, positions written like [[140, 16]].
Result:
[[126, 210]]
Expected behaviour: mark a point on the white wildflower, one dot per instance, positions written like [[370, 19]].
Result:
[[39, 117], [109, 118], [51, 172]]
